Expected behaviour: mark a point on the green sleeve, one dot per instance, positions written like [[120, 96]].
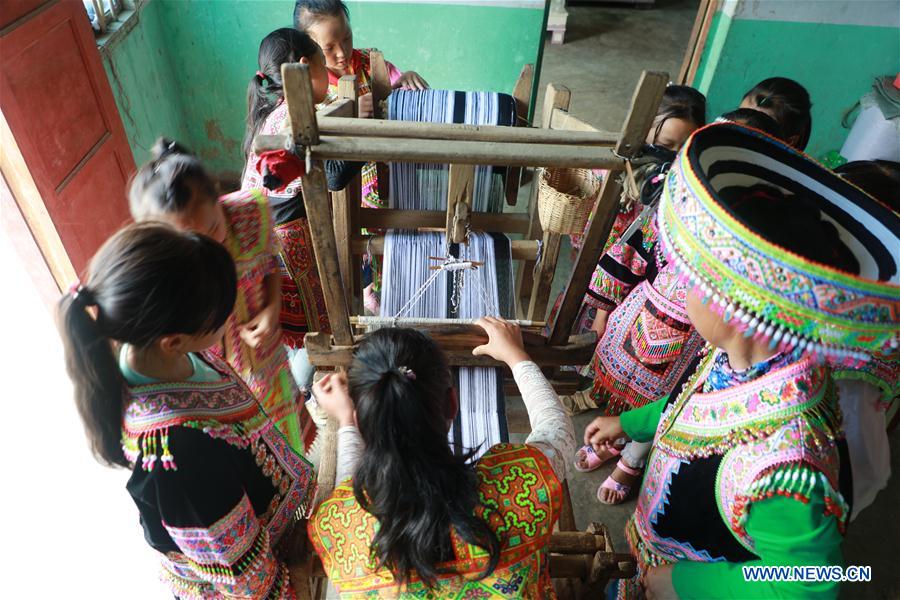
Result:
[[786, 532], [640, 424]]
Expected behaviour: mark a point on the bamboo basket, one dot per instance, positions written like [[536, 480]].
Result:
[[565, 199]]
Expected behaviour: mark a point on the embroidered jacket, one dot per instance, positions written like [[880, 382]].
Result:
[[769, 444], [253, 246], [216, 485], [520, 499]]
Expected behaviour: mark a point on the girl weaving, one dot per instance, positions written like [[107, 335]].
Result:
[[646, 341], [174, 188], [745, 464], [434, 524], [216, 486]]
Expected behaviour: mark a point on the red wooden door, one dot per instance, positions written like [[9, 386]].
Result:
[[60, 111]]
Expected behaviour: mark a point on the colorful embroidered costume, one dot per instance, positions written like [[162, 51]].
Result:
[[253, 247], [520, 499], [759, 448], [302, 298], [216, 484], [359, 66]]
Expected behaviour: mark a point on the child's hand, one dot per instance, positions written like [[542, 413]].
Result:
[[365, 106], [504, 341], [410, 80], [599, 324], [658, 583], [263, 327], [602, 432], [333, 396]]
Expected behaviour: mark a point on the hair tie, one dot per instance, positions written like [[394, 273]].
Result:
[[80, 293], [407, 372], [261, 76]]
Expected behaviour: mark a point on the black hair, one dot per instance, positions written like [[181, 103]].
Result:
[[878, 178], [409, 478], [680, 102], [756, 119], [164, 185], [307, 12], [791, 222], [148, 280], [789, 104], [266, 89]]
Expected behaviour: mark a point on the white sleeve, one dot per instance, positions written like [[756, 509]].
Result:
[[350, 447], [551, 429]]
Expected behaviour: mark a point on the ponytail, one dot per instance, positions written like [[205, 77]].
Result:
[[168, 183], [99, 386], [148, 280], [265, 90], [409, 478]]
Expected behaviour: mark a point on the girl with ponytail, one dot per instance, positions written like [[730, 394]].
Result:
[[434, 523], [302, 297], [175, 188], [153, 400]]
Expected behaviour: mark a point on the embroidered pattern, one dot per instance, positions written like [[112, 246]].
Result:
[[520, 499]]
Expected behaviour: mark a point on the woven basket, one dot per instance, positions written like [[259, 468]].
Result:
[[565, 199]]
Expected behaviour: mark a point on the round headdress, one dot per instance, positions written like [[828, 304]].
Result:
[[785, 298]]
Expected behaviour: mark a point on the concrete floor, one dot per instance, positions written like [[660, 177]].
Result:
[[606, 49]]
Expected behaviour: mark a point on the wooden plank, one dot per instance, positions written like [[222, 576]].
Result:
[[555, 97], [298, 94], [380, 83], [522, 95], [332, 125], [460, 184], [640, 116], [343, 201], [321, 227], [458, 349], [339, 109], [520, 249], [465, 152], [389, 218], [696, 41], [701, 41], [564, 121], [543, 281]]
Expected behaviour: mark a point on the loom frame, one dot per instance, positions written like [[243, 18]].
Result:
[[562, 140]]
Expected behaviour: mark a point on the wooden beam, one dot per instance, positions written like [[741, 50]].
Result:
[[390, 218], [458, 348], [380, 82], [555, 97], [345, 203], [543, 281], [563, 120], [321, 228], [640, 116], [299, 97], [460, 184], [334, 125], [339, 109], [522, 95], [519, 249]]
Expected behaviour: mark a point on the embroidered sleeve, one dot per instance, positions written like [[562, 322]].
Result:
[[204, 508], [551, 429], [785, 532], [621, 266]]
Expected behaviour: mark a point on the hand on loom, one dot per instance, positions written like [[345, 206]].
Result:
[[365, 106], [333, 395], [410, 80], [603, 432], [504, 341]]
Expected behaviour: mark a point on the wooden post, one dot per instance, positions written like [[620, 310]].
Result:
[[381, 89], [345, 206], [459, 202], [522, 94], [556, 96], [299, 97], [543, 279], [640, 117]]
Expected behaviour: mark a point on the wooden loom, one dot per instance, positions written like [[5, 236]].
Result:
[[335, 223]]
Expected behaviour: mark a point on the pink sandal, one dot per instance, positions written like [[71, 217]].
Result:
[[593, 461], [621, 490]]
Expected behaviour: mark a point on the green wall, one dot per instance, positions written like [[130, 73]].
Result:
[[205, 52], [835, 61], [139, 72]]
